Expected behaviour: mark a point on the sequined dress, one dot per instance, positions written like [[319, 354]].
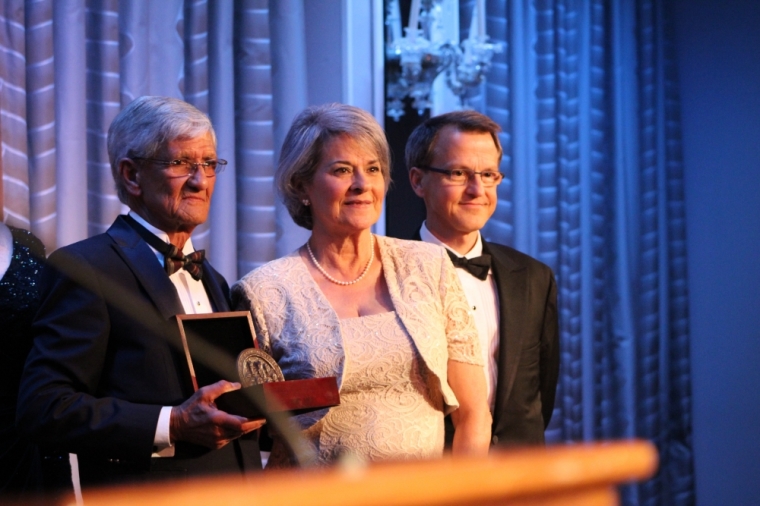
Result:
[[19, 299]]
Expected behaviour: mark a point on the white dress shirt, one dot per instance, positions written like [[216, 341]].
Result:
[[194, 300], [484, 303]]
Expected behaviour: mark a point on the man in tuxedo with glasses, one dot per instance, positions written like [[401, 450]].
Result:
[[107, 378], [453, 161]]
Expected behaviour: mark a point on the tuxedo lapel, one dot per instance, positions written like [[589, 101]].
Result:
[[146, 268], [214, 289], [511, 283]]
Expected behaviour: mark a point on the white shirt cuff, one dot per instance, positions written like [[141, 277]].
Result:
[[161, 441]]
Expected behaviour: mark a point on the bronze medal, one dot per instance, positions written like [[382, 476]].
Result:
[[256, 367]]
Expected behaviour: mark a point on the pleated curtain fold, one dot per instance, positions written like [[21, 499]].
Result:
[[69, 66], [587, 97]]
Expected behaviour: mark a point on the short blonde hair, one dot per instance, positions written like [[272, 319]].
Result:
[[303, 147]]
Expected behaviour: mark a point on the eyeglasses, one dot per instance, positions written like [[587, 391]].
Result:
[[185, 168], [461, 177]]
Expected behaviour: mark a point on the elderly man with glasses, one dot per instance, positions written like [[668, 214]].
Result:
[[453, 161], [107, 378]]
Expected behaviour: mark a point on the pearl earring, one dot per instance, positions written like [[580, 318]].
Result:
[[306, 202]]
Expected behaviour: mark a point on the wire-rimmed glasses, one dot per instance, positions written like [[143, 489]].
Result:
[[460, 177], [182, 167]]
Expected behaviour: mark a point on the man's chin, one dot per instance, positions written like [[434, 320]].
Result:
[[188, 223], [193, 214], [469, 226]]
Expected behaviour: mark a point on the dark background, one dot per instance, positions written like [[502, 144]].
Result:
[[718, 49], [404, 210]]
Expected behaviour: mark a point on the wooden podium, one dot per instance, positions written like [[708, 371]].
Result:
[[566, 475]]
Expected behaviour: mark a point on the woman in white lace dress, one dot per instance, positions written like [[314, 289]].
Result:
[[387, 317]]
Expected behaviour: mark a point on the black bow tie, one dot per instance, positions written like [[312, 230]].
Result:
[[174, 260], [478, 266]]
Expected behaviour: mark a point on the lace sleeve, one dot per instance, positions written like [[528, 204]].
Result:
[[244, 299], [461, 334]]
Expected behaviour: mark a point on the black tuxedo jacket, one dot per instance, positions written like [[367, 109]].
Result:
[[107, 355], [528, 362]]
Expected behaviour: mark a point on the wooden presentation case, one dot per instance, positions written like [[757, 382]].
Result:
[[212, 343]]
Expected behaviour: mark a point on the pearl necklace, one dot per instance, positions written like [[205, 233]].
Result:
[[337, 281]]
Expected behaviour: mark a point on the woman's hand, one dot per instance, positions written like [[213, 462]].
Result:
[[472, 421]]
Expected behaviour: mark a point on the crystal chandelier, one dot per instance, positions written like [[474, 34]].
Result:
[[413, 61]]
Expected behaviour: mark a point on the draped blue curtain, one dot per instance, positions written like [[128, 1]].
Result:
[[587, 97], [586, 94], [68, 66]]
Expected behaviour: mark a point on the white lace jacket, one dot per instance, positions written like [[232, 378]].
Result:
[[296, 324]]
